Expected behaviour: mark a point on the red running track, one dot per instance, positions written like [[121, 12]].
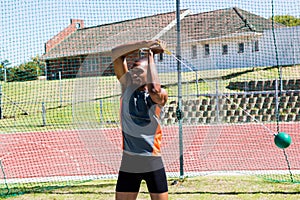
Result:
[[98, 152]]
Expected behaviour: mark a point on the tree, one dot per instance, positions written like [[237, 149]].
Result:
[[40, 65], [24, 72], [287, 20]]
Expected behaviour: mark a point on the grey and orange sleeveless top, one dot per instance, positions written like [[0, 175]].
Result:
[[140, 125]]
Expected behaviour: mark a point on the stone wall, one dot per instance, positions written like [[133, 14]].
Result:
[[237, 108]]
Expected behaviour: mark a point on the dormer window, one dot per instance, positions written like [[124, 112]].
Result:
[[77, 25]]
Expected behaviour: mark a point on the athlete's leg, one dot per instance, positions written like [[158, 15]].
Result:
[[157, 184], [128, 186], [126, 195], [159, 196]]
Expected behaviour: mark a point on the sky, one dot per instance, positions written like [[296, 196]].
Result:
[[26, 25]]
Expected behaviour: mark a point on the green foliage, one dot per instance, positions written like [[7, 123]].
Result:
[[40, 65], [24, 72], [27, 72], [287, 20]]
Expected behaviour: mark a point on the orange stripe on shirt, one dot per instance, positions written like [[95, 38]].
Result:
[[158, 134]]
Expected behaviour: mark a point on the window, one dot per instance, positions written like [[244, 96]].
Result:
[[194, 51], [206, 49], [241, 48], [105, 61], [91, 64], [224, 49], [255, 46]]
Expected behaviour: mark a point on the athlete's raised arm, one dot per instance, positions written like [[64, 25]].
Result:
[[120, 52]]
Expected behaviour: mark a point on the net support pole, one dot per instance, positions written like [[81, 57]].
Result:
[[217, 101], [277, 100], [178, 55], [101, 112], [279, 67]]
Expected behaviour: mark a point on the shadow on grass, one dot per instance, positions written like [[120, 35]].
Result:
[[96, 189], [69, 189]]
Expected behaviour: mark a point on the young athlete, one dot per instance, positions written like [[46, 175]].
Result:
[[141, 105]]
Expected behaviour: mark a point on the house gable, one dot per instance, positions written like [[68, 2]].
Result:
[[103, 37], [75, 24]]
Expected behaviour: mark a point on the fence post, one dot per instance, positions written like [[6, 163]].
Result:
[[60, 89], [44, 114], [197, 84], [5, 75], [1, 114]]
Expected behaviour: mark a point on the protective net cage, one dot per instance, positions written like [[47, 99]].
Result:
[[232, 72]]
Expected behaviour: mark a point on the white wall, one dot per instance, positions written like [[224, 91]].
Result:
[[287, 43]]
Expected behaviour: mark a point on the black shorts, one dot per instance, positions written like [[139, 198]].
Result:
[[130, 182]]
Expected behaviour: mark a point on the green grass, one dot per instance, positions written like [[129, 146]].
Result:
[[96, 99], [196, 188]]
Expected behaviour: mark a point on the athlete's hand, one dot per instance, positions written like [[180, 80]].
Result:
[[159, 46]]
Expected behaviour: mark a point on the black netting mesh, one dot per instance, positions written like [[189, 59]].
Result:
[[235, 79]]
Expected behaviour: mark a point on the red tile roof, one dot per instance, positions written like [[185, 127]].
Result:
[[194, 27]]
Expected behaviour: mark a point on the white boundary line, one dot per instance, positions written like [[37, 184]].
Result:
[[169, 175]]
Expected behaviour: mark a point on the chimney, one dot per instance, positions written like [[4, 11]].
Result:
[[75, 24]]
